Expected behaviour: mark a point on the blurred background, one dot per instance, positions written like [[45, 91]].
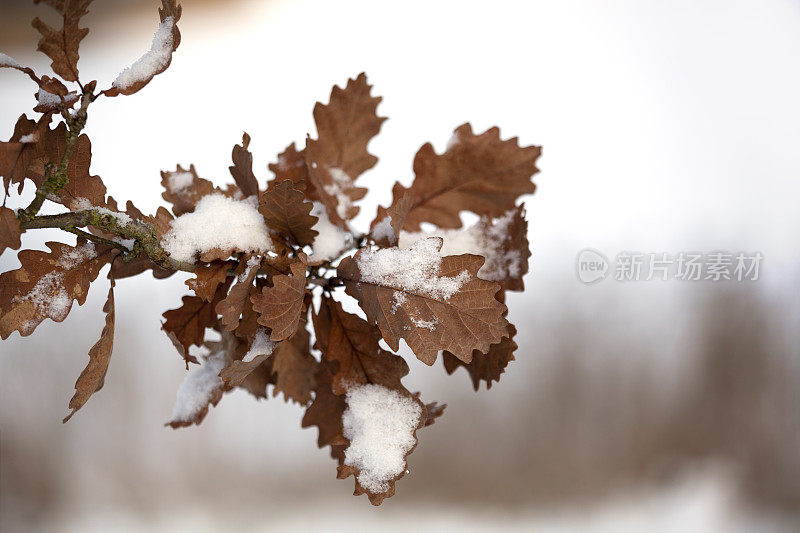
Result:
[[657, 405]]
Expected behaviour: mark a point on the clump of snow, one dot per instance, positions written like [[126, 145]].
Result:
[[48, 295], [29, 138], [8, 61], [430, 325], [153, 61], [178, 181], [218, 222], [380, 424], [82, 204], [413, 269], [49, 99], [340, 183], [454, 140], [261, 346], [198, 387], [331, 239], [482, 238], [384, 230]]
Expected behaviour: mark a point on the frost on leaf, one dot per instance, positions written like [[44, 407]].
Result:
[[435, 303], [485, 366], [61, 46], [157, 59], [93, 376], [279, 307], [502, 241], [380, 426], [46, 284], [9, 230], [242, 169], [478, 173], [339, 155], [286, 211], [352, 343]]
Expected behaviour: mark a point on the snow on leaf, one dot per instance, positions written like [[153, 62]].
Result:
[[351, 342], [46, 284], [286, 211], [386, 227], [291, 166], [9, 230], [485, 366], [61, 46], [184, 188], [434, 303], [502, 241], [478, 173], [201, 388], [242, 169], [93, 376], [156, 60], [380, 425], [279, 307], [339, 156]]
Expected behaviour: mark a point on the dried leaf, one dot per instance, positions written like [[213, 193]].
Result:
[[485, 366], [294, 367], [478, 173], [208, 278], [189, 321], [434, 411], [352, 343], [61, 46], [280, 306], [325, 412], [291, 166], [93, 376], [123, 85], [230, 309], [47, 283], [396, 214], [339, 156], [471, 319], [9, 230], [242, 169], [286, 211], [184, 188]]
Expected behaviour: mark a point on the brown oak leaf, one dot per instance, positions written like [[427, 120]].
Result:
[[184, 188], [339, 156], [291, 166], [470, 319], [325, 412], [61, 46], [242, 169], [93, 376], [9, 230], [478, 173], [231, 307], [287, 212], [131, 82], [485, 366], [294, 367], [16, 156], [46, 284], [352, 343], [279, 307], [189, 321], [208, 278]]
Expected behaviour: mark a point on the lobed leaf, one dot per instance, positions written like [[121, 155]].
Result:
[[279, 307], [9, 230], [61, 46], [184, 188], [242, 169], [287, 212], [485, 366]]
